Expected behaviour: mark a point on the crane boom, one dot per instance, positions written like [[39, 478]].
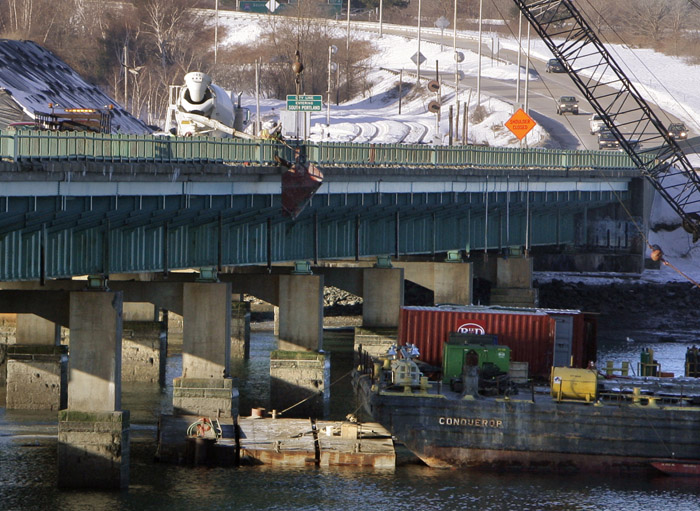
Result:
[[611, 94]]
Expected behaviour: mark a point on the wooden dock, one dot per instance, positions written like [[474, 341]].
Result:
[[283, 442]]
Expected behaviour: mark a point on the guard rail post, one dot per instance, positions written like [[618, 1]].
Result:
[[15, 147]]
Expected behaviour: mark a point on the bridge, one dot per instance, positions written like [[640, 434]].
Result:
[[75, 204], [83, 203]]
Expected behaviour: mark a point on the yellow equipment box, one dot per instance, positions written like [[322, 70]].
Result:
[[572, 383]]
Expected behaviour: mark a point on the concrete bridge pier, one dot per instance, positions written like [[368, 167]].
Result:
[[240, 330], [36, 366], [144, 344], [514, 283], [205, 387], [299, 369], [451, 282], [93, 433]]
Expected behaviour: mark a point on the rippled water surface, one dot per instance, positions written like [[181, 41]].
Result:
[[28, 466]]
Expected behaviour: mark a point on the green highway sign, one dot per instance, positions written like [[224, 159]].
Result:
[[305, 103]]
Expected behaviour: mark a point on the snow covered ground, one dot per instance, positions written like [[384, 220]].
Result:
[[375, 117]]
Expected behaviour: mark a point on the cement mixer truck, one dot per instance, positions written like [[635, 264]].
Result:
[[202, 108]]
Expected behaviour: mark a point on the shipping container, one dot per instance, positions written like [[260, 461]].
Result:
[[529, 333]]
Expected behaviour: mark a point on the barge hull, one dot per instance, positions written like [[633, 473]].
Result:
[[541, 434]]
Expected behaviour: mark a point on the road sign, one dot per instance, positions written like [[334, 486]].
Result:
[[418, 57], [304, 103], [520, 124], [272, 5], [442, 23]]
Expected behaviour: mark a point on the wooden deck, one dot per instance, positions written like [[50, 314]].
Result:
[[283, 442]]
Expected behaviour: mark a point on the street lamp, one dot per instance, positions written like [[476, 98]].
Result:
[[332, 49], [478, 73], [381, 12]]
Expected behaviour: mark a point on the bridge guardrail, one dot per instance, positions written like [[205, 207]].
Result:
[[31, 145]]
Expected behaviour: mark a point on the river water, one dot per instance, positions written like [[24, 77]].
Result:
[[28, 464]]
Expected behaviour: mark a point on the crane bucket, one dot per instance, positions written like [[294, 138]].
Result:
[[299, 183]]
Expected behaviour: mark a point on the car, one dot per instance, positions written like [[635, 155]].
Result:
[[567, 104], [597, 124], [606, 140], [678, 131], [554, 66]]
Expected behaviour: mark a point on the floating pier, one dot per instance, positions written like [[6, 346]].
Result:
[[281, 442]]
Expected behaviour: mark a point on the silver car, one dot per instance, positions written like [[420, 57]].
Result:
[[597, 124]]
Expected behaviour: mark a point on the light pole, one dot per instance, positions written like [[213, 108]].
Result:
[[418, 54], [478, 73], [381, 15], [527, 69], [454, 48], [347, 39], [332, 49], [216, 29], [520, 47]]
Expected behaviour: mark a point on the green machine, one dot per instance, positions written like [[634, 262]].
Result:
[[455, 355]]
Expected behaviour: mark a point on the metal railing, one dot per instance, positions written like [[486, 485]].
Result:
[[30, 145]]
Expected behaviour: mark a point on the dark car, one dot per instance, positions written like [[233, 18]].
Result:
[[567, 104], [678, 131], [554, 66], [606, 140]]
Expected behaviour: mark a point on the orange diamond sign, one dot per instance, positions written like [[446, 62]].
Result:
[[520, 124]]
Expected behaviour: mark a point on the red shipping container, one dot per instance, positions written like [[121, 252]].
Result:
[[529, 333]]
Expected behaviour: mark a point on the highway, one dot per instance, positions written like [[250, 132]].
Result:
[[567, 131]]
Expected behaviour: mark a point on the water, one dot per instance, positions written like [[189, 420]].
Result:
[[28, 463]]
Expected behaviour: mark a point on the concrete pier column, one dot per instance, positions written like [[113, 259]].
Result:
[[299, 374], [300, 312], [93, 433], [33, 329], [144, 344], [514, 283], [240, 330], [452, 283], [382, 297], [205, 387], [36, 366], [300, 382]]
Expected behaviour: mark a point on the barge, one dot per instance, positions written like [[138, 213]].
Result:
[[579, 420]]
